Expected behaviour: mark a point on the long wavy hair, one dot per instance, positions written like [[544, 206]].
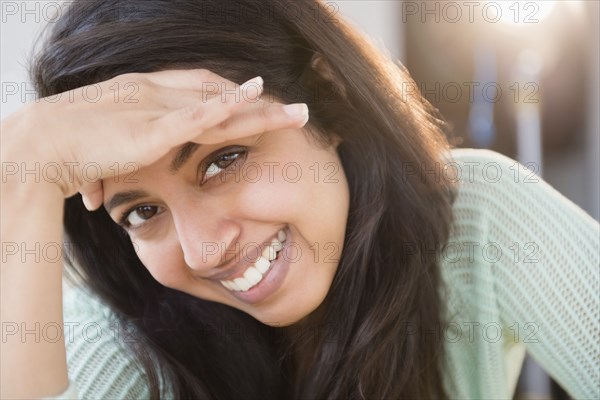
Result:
[[399, 218]]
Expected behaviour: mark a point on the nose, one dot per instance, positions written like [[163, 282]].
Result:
[[205, 235]]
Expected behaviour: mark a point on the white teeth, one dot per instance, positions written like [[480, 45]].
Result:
[[226, 284], [254, 274], [269, 253], [281, 235], [262, 264], [276, 244], [242, 284], [234, 286]]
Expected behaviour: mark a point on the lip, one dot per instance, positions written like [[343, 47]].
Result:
[[236, 269], [273, 279]]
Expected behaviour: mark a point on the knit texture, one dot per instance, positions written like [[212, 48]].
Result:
[[522, 273]]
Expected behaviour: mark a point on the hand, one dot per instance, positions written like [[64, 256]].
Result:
[[168, 109]]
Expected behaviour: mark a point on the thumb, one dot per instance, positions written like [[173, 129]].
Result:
[[92, 195]]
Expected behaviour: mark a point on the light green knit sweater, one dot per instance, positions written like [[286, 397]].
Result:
[[523, 274]]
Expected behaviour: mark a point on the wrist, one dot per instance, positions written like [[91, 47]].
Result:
[[19, 190], [27, 164]]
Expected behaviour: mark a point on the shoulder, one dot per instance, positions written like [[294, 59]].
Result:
[[495, 171], [507, 193], [488, 183], [97, 355], [481, 154]]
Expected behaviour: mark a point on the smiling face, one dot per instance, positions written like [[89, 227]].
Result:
[[257, 223]]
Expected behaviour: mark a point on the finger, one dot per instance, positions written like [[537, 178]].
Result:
[[184, 124], [92, 195], [195, 79], [175, 98], [252, 122]]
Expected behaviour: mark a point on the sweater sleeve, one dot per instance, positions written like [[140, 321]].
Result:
[[531, 266], [99, 364]]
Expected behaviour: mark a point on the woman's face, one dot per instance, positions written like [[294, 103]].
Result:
[[257, 223]]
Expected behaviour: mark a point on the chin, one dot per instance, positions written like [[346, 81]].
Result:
[[290, 315], [278, 319]]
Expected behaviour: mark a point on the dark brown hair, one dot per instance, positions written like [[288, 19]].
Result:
[[388, 277]]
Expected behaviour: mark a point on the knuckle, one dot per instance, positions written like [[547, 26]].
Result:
[[264, 111], [202, 74], [141, 132], [124, 77], [263, 125], [225, 124], [227, 111], [231, 103], [131, 77], [149, 93]]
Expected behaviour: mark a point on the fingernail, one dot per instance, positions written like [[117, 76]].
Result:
[[256, 81], [296, 110]]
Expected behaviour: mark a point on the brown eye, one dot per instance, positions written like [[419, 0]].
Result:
[[220, 163], [140, 215]]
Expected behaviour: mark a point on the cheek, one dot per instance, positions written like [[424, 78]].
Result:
[[281, 196], [310, 194], [165, 264]]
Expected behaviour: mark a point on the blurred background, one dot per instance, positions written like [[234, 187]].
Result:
[[517, 77]]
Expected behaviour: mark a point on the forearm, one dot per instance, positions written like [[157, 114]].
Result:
[[33, 350]]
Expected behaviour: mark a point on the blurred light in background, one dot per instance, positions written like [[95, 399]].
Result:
[[523, 11]]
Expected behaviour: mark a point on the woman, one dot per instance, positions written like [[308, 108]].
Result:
[[227, 246]]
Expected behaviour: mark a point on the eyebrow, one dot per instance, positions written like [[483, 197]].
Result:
[[183, 155], [123, 198]]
